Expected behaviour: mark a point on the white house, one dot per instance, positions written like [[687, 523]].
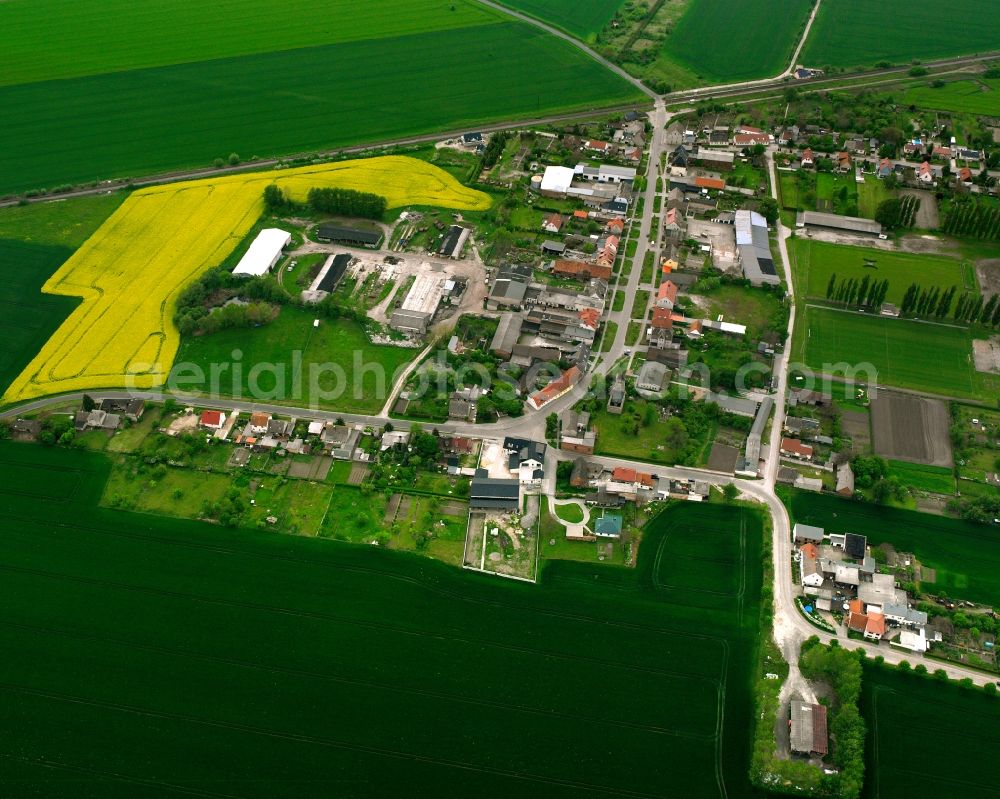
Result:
[[810, 572]]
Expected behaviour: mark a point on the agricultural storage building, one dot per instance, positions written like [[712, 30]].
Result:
[[453, 241], [327, 278], [263, 253], [349, 235], [807, 533], [557, 180], [808, 728], [754, 249], [488, 493], [420, 304], [508, 332], [851, 224], [752, 452]]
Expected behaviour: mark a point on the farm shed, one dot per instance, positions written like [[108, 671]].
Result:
[[453, 241], [494, 494], [508, 332], [808, 728], [754, 249], [349, 235], [263, 253], [851, 224]]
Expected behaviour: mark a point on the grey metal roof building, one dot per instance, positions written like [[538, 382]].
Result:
[[487, 493], [756, 431], [808, 732], [809, 533], [409, 321], [508, 332], [755, 248], [852, 224], [349, 235], [738, 405]]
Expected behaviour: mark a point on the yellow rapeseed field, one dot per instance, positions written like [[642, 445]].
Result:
[[131, 271]]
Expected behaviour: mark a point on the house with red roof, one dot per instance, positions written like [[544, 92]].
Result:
[[752, 139], [662, 319], [212, 420], [965, 175], [581, 270], [595, 145], [666, 295], [925, 173], [590, 318], [710, 183], [843, 160], [794, 448], [807, 157], [556, 388], [552, 223], [615, 226]]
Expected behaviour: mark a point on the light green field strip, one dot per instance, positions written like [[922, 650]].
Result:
[[50, 39]]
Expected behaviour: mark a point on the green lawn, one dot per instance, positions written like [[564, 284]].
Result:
[[733, 40], [332, 366], [813, 263], [871, 194], [936, 479], [761, 311], [899, 765], [897, 349], [847, 34], [837, 194], [964, 555], [582, 18], [139, 121], [569, 513], [981, 97], [608, 340], [378, 672]]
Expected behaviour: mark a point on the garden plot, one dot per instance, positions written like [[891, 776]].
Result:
[[909, 428]]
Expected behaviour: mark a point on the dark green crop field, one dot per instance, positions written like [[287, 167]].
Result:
[[851, 33], [582, 18], [158, 119], [35, 240], [965, 557], [735, 40], [160, 656], [912, 720]]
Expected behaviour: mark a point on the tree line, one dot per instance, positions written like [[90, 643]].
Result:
[[851, 291], [898, 212], [342, 202], [973, 218]]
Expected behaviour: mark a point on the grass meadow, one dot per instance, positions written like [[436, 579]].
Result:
[[847, 34], [906, 354], [733, 40], [935, 479], [903, 765], [964, 555], [336, 341], [157, 119], [980, 96], [582, 18], [813, 263], [378, 671]]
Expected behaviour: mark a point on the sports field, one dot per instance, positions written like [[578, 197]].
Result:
[[897, 348], [814, 262], [332, 366], [582, 18], [847, 33], [964, 556], [378, 671], [734, 40], [962, 96], [377, 80], [132, 269], [902, 763]]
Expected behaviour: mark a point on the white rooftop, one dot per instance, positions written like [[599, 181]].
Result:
[[263, 253], [557, 178]]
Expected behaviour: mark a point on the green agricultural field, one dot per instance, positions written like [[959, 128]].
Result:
[[291, 101], [582, 18], [35, 240], [962, 96], [901, 765], [114, 37], [361, 372], [378, 670], [897, 348], [964, 555], [733, 40], [813, 262], [847, 34], [935, 479]]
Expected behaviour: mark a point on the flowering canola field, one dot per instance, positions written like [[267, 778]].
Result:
[[131, 271]]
